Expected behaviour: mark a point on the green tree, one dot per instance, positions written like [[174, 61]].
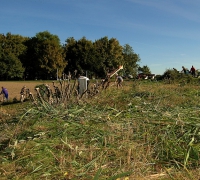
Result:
[[29, 59], [131, 60], [108, 55], [115, 56], [70, 54], [101, 56], [44, 57], [11, 48], [84, 55], [11, 67], [144, 69], [79, 55]]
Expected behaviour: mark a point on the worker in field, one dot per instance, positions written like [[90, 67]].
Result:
[[119, 81], [23, 94], [192, 71], [184, 70], [4, 91]]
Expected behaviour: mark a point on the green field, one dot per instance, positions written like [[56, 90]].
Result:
[[145, 130]]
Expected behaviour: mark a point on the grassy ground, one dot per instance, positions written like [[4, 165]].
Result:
[[146, 130]]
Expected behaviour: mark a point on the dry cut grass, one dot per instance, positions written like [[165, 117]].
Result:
[[142, 131]]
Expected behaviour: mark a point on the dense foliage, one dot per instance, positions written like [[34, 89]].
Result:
[[144, 69], [44, 57], [11, 49]]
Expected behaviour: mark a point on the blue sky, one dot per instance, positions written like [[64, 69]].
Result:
[[165, 33]]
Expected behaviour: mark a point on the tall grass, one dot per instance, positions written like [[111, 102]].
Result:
[[146, 130]]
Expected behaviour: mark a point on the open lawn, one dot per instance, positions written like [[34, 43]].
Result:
[[145, 130]]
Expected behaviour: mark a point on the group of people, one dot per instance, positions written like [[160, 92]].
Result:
[[4, 91], [192, 70]]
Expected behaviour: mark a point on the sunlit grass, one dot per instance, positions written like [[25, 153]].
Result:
[[145, 130]]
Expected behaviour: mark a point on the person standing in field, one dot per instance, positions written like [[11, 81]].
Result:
[[192, 71], [22, 93], [4, 91], [119, 81], [184, 70]]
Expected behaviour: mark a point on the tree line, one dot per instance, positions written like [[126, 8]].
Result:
[[44, 57]]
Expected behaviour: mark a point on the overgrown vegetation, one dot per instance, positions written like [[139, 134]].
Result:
[[147, 130]]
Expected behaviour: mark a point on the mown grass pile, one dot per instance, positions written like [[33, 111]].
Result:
[[147, 130]]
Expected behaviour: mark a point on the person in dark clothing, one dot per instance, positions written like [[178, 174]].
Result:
[[5, 93], [184, 69], [192, 71]]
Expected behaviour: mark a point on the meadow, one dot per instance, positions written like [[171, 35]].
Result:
[[145, 130]]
